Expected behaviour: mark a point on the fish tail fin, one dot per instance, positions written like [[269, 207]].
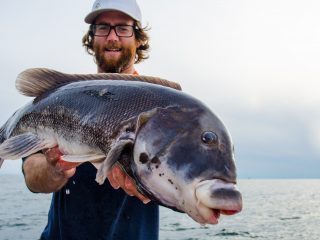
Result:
[[2, 137]]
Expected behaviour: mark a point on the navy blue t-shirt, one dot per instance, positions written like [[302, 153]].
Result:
[[84, 210]]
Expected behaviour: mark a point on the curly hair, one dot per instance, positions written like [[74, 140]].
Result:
[[140, 35]]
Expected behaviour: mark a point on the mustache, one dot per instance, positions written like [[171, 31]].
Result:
[[112, 44]]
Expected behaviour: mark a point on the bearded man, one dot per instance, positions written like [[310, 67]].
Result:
[[80, 207]]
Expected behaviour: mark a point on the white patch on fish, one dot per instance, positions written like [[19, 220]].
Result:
[[166, 186], [67, 147]]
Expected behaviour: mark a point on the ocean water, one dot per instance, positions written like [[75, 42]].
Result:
[[273, 209]]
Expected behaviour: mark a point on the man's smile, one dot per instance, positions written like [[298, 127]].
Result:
[[113, 49], [113, 52]]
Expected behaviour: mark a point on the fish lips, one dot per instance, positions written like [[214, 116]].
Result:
[[215, 197]]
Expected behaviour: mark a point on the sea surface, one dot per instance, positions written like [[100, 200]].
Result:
[[273, 209]]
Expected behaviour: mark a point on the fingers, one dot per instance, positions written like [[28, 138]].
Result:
[[61, 168], [63, 165], [114, 183], [118, 178], [131, 187], [52, 155]]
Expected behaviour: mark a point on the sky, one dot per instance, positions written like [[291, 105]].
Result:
[[255, 63]]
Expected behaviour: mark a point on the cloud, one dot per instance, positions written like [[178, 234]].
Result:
[[273, 140]]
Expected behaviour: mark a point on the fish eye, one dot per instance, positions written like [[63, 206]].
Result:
[[209, 138]]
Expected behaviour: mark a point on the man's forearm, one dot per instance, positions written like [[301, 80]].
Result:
[[40, 176]]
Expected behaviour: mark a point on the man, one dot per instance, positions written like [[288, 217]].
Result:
[[80, 208]]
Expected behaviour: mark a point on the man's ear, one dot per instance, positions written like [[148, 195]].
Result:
[[138, 43]]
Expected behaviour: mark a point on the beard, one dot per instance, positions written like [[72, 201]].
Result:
[[111, 64]]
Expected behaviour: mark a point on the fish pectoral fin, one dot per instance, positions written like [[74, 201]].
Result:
[[83, 158], [97, 164], [23, 145], [112, 157]]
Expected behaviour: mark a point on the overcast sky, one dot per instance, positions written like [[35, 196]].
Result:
[[256, 63]]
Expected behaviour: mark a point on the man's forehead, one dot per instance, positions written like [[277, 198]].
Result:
[[113, 16]]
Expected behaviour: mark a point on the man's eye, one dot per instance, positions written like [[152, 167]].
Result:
[[103, 27], [122, 28]]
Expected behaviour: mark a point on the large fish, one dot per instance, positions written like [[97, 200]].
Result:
[[179, 153]]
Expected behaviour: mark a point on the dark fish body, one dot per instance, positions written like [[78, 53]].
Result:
[[92, 110], [178, 152]]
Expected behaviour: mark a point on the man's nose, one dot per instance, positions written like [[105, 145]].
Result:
[[112, 35]]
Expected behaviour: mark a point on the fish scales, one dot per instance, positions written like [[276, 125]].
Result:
[[93, 116]]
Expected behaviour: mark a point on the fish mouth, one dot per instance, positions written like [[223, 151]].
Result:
[[215, 198], [214, 218], [216, 213]]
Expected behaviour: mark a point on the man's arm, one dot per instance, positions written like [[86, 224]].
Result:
[[44, 174]]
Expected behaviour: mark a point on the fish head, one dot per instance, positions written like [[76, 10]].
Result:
[[184, 159]]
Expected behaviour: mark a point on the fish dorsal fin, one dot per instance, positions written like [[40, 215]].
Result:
[[36, 81]]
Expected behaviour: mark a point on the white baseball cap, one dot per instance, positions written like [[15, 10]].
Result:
[[129, 7]]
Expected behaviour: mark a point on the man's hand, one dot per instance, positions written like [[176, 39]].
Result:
[[46, 172], [118, 178], [60, 168]]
